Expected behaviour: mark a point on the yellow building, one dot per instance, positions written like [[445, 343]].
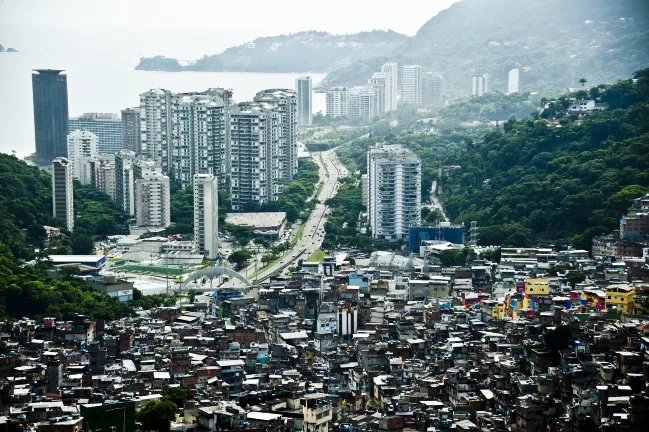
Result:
[[534, 288], [622, 296]]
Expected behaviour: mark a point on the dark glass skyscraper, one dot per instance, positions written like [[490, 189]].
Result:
[[50, 93]]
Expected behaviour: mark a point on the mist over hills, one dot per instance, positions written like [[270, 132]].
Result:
[[554, 43]]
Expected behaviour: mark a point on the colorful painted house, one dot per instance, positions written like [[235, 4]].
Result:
[[620, 296], [534, 289]]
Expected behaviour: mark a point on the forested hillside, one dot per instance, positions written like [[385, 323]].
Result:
[[602, 40], [25, 206], [535, 182]]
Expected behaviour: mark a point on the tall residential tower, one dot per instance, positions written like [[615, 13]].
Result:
[[152, 200], [83, 146], [206, 215], [62, 192], [411, 85], [304, 100], [392, 72], [513, 81], [106, 126], [337, 102], [200, 134], [155, 126], [394, 191], [480, 85], [50, 94], [131, 134]]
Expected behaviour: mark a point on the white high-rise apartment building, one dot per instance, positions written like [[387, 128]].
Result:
[[433, 89], [102, 168], [107, 127], [362, 102], [394, 184], [379, 82], [155, 126], [336, 102], [284, 103], [365, 189], [128, 169], [512, 82], [200, 134], [206, 215], [254, 144], [109, 182], [125, 181], [392, 71], [480, 85], [411, 85], [304, 100], [152, 197], [62, 192], [82, 147]]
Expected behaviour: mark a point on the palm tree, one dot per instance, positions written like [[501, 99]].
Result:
[[583, 82]]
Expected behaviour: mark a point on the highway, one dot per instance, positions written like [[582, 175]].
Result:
[[330, 170]]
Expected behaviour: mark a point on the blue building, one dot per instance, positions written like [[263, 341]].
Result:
[[50, 95], [449, 233]]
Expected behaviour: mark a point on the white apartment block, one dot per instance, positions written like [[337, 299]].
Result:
[[62, 191], [433, 90], [411, 85], [82, 147], [362, 102], [155, 126], [480, 85], [102, 169], [379, 82], [109, 181], [152, 198], [200, 134], [304, 93], [365, 189], [125, 181], [107, 127], [392, 71], [513, 81], [254, 140], [284, 103], [206, 215], [336, 100], [394, 184]]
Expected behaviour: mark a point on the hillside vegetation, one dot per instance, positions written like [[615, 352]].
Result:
[[28, 289], [602, 40], [532, 182]]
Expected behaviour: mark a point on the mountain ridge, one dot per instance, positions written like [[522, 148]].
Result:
[[308, 51], [553, 43], [602, 40]]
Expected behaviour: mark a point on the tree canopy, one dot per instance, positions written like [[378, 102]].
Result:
[[538, 182]]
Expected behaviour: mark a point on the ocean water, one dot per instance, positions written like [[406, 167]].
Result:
[[107, 82]]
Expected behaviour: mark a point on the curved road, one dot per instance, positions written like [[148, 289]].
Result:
[[313, 233]]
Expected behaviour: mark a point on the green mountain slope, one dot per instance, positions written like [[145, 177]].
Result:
[[534, 182], [26, 205], [602, 40], [309, 51]]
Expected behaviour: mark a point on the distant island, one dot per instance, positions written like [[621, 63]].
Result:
[[2, 49], [309, 51], [553, 43]]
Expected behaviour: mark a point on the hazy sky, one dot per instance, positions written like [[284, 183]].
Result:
[[206, 25]]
